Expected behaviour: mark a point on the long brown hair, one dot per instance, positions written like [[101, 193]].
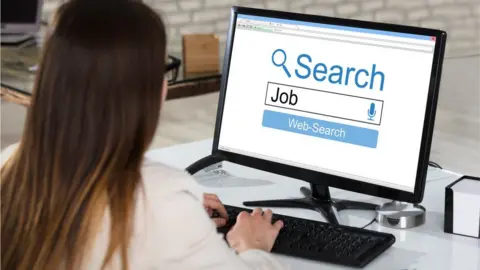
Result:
[[94, 112]]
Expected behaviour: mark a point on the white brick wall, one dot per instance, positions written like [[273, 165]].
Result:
[[389, 15], [452, 11], [190, 5], [460, 18], [418, 14], [217, 3], [300, 3], [210, 15], [405, 4], [347, 9], [370, 5], [277, 4], [174, 19], [319, 10], [170, 7]]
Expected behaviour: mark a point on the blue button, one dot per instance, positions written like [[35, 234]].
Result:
[[320, 128]]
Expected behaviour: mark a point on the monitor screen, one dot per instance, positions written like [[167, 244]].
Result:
[[19, 11], [345, 101]]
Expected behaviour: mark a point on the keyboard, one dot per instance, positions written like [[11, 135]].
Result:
[[320, 241]]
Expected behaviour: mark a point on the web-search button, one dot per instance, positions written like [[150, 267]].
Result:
[[321, 129]]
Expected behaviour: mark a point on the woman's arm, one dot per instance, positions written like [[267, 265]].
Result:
[[194, 242]]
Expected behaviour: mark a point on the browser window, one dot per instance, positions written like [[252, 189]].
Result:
[[341, 100]]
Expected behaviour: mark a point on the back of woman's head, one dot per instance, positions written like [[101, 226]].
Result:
[[93, 114]]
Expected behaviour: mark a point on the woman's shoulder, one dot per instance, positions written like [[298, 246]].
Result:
[[162, 180]]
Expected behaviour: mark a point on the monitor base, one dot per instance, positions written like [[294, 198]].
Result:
[[317, 198], [15, 39], [204, 163], [400, 215]]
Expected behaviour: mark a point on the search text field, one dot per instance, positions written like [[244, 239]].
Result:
[[319, 102]]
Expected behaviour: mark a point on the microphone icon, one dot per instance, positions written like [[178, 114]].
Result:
[[371, 112]]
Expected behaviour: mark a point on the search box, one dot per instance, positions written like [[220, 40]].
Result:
[[319, 102]]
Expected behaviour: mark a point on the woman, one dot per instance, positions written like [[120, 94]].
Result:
[[76, 191]]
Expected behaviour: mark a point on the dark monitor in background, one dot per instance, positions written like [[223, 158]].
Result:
[[20, 19]]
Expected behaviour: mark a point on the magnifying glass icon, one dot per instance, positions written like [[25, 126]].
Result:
[[280, 55]]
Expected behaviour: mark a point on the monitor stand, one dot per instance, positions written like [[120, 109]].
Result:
[[317, 198]]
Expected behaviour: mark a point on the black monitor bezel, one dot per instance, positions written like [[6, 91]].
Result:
[[319, 178]]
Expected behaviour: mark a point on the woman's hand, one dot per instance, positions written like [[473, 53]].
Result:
[[254, 231], [212, 203]]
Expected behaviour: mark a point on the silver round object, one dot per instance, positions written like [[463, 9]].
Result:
[[400, 215]]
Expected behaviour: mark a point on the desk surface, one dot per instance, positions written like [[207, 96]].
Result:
[[425, 247]]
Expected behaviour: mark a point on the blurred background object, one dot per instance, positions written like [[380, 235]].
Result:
[[21, 20], [200, 54]]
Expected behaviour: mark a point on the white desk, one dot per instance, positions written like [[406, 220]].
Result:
[[425, 247]]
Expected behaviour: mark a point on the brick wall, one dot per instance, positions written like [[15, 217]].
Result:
[[460, 18]]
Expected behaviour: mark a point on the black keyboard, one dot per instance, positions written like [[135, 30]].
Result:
[[322, 241]]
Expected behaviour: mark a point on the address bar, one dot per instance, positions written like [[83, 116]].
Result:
[[333, 32], [354, 40]]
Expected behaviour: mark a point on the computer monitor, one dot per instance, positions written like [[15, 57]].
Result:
[[334, 102], [20, 18]]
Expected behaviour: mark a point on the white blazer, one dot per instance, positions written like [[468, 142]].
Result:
[[172, 229]]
